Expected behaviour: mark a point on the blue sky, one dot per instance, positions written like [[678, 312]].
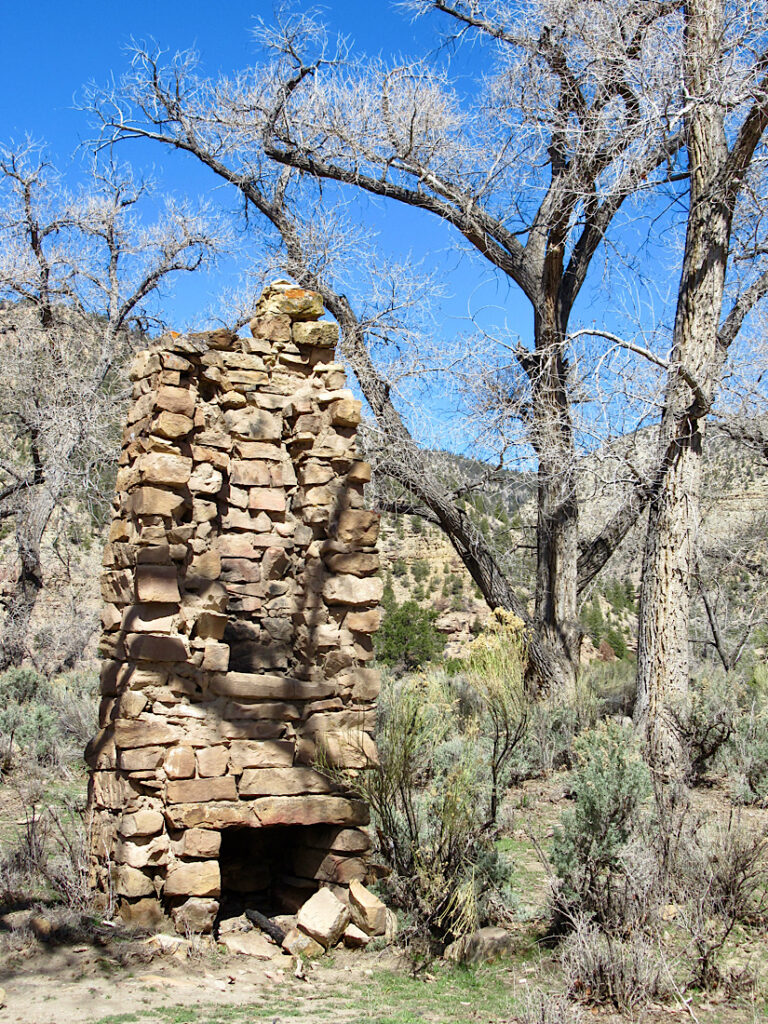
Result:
[[52, 49]]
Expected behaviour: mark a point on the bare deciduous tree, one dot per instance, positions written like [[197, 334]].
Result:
[[77, 275], [530, 170]]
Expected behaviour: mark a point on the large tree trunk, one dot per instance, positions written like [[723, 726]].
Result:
[[669, 557], [557, 534]]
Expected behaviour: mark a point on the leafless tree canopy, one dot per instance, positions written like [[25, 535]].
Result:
[[579, 109], [78, 273]]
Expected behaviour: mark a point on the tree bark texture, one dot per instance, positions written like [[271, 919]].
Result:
[[674, 516]]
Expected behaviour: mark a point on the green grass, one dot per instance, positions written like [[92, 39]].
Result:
[[445, 995]]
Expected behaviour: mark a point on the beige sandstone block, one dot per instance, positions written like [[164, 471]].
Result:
[[324, 918], [281, 782], [117, 587], [131, 882], [314, 474], [353, 590], [119, 531], [152, 501], [274, 563], [217, 458], [108, 791], [253, 424], [148, 647], [148, 618], [356, 526], [364, 622], [355, 938], [111, 617], [212, 816], [361, 684], [164, 468], [142, 759], [201, 791], [130, 704], [212, 761], [298, 943], [260, 754], [157, 584], [141, 733], [195, 915], [310, 810], [215, 656], [203, 511], [143, 913], [355, 562], [205, 479], [204, 843], [346, 413], [267, 499], [196, 879], [141, 823], [267, 686], [359, 472], [179, 763], [367, 910], [211, 625], [171, 361], [205, 567], [321, 335], [143, 364], [327, 867], [172, 425], [288, 299], [274, 327], [238, 519], [143, 852], [176, 400], [100, 752]]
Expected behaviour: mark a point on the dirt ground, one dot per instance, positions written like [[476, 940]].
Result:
[[80, 983], [56, 967]]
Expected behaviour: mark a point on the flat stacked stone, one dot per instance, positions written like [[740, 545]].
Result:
[[240, 597]]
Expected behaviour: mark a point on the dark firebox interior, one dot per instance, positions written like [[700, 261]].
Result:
[[258, 870]]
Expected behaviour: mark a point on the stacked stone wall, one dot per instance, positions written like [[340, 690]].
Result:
[[240, 597]]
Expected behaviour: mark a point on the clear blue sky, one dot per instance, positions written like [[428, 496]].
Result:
[[50, 49]]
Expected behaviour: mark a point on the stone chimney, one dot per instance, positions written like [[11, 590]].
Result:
[[240, 597]]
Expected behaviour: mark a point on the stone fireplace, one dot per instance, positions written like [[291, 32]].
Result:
[[240, 597]]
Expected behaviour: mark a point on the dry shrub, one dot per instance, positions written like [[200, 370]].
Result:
[[603, 968], [720, 880], [595, 848], [49, 857], [444, 762], [545, 1008]]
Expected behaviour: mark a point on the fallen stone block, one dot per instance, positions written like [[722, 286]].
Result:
[[482, 946], [367, 910], [324, 918]]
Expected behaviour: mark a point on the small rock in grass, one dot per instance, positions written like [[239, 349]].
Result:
[[481, 946], [299, 944]]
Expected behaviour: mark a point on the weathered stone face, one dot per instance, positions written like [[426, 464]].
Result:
[[240, 594]]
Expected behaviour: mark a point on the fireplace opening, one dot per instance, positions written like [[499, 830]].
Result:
[[258, 871]]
